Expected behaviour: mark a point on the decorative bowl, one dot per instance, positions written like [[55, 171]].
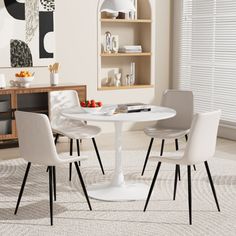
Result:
[[91, 110], [24, 81]]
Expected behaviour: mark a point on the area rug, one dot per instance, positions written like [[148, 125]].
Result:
[[163, 216]]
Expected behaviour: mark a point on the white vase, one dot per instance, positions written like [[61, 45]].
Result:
[[118, 79], [54, 79], [2, 81]]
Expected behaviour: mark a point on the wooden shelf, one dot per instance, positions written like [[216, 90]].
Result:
[[143, 54], [126, 21], [126, 87]]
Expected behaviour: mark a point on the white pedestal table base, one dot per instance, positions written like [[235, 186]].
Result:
[[118, 190], [126, 192]]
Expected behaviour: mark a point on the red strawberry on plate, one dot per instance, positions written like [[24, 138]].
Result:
[[83, 104], [88, 103], [99, 104]]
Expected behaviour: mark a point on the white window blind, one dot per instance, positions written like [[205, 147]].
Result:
[[205, 54]]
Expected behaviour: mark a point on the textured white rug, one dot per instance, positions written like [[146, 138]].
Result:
[[163, 216]]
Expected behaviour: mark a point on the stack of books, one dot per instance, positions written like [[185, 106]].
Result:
[[131, 49], [133, 107]]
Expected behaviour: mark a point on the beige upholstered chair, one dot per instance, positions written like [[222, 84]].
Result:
[[200, 148], [74, 130], [37, 146], [173, 128]]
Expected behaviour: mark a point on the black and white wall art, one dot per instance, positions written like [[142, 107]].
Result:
[[27, 36]]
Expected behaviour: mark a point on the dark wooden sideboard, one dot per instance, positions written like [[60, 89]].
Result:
[[34, 99]]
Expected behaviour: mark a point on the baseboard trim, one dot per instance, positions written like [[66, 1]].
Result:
[[227, 131]]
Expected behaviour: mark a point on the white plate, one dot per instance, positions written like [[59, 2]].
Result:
[[79, 110], [106, 110], [91, 110]]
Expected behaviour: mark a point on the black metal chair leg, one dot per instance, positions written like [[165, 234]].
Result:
[[83, 185], [71, 154], [152, 185], [147, 156], [78, 149], [189, 194], [176, 180], [194, 167], [70, 171], [179, 174], [71, 147], [186, 137], [212, 184], [177, 149], [56, 139], [162, 146], [50, 194], [22, 186], [176, 145], [98, 155], [54, 183]]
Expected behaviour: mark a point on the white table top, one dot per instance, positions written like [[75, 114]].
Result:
[[156, 113]]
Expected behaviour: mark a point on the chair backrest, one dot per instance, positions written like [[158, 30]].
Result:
[[182, 102], [202, 137], [58, 100], [35, 138]]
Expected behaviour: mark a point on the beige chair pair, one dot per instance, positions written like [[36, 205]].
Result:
[[202, 132]]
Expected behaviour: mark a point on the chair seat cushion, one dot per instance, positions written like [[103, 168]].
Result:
[[66, 158], [171, 157], [164, 133], [82, 132], [176, 158]]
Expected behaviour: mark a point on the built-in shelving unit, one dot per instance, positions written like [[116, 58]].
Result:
[[138, 31]]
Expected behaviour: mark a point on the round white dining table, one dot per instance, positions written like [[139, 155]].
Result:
[[117, 189]]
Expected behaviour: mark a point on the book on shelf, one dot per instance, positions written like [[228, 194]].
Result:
[[133, 107], [131, 49]]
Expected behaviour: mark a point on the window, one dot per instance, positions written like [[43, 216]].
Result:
[[205, 54]]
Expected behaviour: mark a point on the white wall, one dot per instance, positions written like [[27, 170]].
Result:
[[163, 17], [76, 47]]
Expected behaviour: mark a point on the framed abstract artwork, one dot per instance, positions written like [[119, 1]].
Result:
[[27, 36]]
